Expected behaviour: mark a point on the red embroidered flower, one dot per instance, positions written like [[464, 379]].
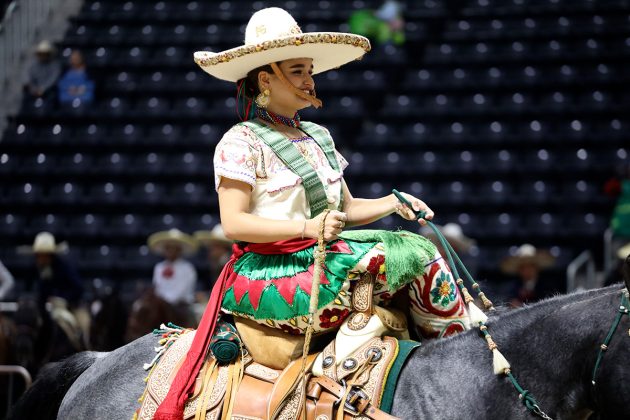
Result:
[[375, 264], [168, 272], [289, 329], [377, 268], [331, 318]]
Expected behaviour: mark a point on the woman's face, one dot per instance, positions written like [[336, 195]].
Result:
[[299, 72]]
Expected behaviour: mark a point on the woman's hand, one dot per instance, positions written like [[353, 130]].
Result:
[[334, 224], [418, 205]]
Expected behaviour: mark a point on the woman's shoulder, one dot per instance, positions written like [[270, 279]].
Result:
[[240, 133]]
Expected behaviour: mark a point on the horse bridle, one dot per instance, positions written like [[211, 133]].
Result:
[[624, 309]]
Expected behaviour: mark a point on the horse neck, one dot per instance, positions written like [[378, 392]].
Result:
[[556, 342], [552, 347]]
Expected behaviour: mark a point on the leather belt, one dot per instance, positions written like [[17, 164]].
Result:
[[356, 404]]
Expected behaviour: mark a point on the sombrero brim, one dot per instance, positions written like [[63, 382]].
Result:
[[159, 240], [206, 237], [328, 50], [463, 243], [60, 248], [542, 260]]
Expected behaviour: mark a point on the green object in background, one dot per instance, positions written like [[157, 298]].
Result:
[[364, 22], [620, 221]]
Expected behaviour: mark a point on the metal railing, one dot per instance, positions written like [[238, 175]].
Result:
[[17, 34], [581, 272], [12, 371]]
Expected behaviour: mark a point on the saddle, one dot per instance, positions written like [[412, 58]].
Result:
[[352, 389]]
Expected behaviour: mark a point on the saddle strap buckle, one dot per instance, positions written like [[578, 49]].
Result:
[[357, 400]]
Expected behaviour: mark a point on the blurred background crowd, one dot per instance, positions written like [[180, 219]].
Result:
[[508, 117]]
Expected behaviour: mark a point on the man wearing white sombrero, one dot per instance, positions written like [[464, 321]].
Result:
[[56, 277], [219, 248], [527, 263], [175, 278]]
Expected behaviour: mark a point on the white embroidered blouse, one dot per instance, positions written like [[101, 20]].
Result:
[[277, 192]]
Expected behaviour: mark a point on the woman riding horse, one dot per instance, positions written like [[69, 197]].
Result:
[[281, 184]]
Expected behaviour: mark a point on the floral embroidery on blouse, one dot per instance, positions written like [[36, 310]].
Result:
[[240, 155], [277, 192]]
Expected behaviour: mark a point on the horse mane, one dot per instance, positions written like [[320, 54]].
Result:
[[43, 399], [515, 318]]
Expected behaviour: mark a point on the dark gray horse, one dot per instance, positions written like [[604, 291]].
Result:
[[552, 347]]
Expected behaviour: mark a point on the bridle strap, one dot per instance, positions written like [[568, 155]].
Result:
[[624, 307]]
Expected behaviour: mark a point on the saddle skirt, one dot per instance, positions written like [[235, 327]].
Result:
[[359, 380]]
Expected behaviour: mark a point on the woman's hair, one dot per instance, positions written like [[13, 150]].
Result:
[[247, 91]]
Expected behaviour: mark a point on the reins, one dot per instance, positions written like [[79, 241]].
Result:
[[624, 307], [500, 363]]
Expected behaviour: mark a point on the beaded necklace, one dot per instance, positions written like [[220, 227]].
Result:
[[274, 118]]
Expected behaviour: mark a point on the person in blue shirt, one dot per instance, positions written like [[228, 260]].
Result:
[[75, 82]]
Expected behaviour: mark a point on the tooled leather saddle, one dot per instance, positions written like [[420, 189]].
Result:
[[351, 389]]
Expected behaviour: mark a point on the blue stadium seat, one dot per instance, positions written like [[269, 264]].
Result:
[[146, 193], [125, 225], [105, 193], [66, 193], [88, 226]]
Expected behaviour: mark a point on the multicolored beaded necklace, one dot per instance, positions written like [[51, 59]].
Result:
[[274, 118]]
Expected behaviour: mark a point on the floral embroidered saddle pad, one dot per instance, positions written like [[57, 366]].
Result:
[[359, 381]]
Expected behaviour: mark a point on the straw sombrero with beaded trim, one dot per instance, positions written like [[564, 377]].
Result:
[[272, 35]]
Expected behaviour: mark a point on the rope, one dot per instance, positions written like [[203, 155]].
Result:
[[528, 400]]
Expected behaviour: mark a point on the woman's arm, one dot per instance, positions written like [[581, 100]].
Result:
[[362, 211], [239, 225]]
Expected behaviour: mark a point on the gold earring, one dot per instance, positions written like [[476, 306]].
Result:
[[263, 98]]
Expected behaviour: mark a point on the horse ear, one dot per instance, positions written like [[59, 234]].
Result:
[[626, 273]]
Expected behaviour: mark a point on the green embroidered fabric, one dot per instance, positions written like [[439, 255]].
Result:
[[289, 154]]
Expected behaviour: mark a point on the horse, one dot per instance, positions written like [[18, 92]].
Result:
[[40, 339], [149, 310], [552, 346], [109, 320]]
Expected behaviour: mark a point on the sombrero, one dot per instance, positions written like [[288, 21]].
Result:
[[453, 233], [527, 254], [624, 251], [44, 243], [158, 240], [272, 35], [207, 237]]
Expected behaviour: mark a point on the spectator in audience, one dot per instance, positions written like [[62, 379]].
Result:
[[384, 25], [219, 249], [174, 279], [6, 282], [620, 220], [56, 277], [616, 273], [526, 264], [75, 83], [462, 245], [44, 72]]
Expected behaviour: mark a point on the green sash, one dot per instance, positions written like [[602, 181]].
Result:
[[293, 159]]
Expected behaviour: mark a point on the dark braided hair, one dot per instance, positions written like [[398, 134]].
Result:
[[247, 91]]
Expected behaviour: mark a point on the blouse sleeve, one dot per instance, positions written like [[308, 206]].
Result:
[[236, 157], [343, 163]]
